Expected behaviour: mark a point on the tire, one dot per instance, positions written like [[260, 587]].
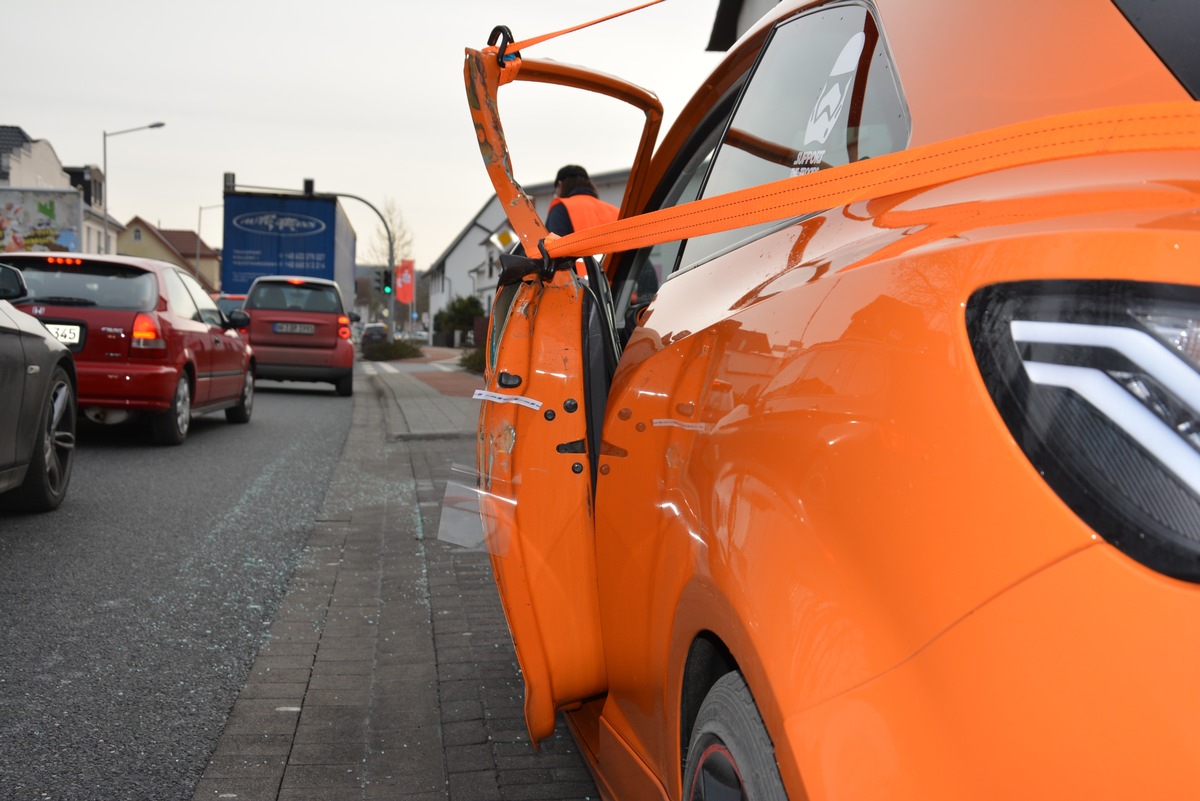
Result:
[[241, 412], [345, 385], [730, 755], [171, 427], [49, 472]]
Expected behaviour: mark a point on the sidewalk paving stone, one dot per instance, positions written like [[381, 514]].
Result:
[[388, 672]]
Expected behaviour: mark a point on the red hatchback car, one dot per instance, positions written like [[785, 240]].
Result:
[[300, 330], [146, 337]]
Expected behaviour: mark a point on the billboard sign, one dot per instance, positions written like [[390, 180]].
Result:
[[277, 235]]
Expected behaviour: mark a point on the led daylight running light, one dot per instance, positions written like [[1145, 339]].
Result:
[[1138, 346], [1128, 400]]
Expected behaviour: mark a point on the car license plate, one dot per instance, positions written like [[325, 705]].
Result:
[[295, 328], [66, 334]]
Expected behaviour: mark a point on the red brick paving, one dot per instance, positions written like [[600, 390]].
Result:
[[457, 384]]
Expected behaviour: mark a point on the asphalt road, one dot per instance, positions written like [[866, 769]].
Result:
[[129, 618]]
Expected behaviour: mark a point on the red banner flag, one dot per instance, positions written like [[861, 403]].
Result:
[[404, 282]]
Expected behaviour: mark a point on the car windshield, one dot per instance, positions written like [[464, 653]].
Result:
[[109, 286], [284, 295]]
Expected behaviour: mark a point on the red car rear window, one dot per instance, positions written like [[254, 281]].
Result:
[[280, 296], [100, 284]]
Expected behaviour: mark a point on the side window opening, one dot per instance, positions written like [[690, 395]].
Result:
[[208, 309], [649, 267], [178, 297]]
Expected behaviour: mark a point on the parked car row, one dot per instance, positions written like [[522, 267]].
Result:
[[116, 338]]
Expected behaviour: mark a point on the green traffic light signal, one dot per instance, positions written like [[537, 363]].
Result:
[[387, 290]]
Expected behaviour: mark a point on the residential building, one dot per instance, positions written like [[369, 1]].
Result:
[[471, 265], [32, 165], [141, 238]]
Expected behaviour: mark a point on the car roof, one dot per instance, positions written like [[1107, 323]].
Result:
[[154, 265], [291, 279]]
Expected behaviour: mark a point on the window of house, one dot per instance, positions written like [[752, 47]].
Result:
[[137, 234]]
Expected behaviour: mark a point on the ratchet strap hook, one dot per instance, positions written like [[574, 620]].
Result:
[[502, 34]]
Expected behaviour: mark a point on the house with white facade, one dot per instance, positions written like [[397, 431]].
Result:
[[32, 165], [471, 265]]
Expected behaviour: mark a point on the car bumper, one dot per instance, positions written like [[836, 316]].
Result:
[[129, 386], [304, 364], [301, 372], [1076, 683]]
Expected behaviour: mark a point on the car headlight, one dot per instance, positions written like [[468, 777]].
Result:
[[1099, 383]]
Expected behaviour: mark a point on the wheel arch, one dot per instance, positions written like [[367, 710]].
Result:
[[708, 659]]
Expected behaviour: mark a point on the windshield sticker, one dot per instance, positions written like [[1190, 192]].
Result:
[[496, 397], [834, 93]]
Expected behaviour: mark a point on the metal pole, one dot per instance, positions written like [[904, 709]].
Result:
[[391, 251], [199, 218], [104, 168]]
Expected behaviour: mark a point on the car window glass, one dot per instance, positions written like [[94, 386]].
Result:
[[661, 260], [823, 94], [209, 311], [650, 266], [280, 296], [101, 284], [179, 300]]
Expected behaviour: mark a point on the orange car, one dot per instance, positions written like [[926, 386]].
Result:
[[891, 488]]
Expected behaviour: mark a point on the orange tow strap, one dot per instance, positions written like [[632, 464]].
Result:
[[1122, 129], [518, 46]]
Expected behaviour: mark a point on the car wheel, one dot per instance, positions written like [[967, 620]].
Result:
[[49, 472], [730, 756], [171, 427], [345, 386], [241, 412]]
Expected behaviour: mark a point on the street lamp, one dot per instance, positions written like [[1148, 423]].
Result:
[[105, 168], [199, 217]]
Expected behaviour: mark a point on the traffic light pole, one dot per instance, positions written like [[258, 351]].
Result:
[[231, 185], [391, 265]]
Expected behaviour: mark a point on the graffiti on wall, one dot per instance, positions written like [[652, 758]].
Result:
[[40, 220]]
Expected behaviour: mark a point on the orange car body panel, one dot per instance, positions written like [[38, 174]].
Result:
[[826, 514], [801, 460]]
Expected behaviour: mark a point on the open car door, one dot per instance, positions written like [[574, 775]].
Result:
[[550, 356]]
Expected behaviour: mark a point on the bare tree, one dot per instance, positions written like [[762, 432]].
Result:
[[378, 250], [377, 253]]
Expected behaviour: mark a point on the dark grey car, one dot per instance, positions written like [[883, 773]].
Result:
[[37, 407]]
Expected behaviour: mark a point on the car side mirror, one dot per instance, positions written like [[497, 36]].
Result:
[[238, 319], [12, 283], [354, 317]]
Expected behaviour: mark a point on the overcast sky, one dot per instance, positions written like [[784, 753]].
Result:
[[363, 96]]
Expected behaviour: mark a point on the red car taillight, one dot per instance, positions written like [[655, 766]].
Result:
[[343, 326], [146, 334]]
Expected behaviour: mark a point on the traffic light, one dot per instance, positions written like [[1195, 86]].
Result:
[[387, 282]]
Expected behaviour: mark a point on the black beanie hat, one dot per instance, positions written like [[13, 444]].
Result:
[[571, 171]]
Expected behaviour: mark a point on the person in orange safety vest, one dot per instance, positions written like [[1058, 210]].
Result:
[[576, 205]]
